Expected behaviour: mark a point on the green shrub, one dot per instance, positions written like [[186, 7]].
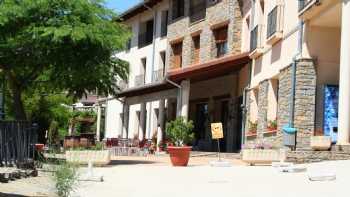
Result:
[[66, 179], [179, 132]]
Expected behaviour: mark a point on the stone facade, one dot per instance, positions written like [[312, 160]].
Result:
[[225, 12], [304, 106], [262, 108], [304, 101]]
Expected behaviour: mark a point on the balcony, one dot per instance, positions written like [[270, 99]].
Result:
[[122, 85], [275, 25], [139, 80], [158, 75], [256, 47], [308, 9], [305, 3], [145, 39]]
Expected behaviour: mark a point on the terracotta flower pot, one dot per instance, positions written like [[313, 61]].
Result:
[[179, 156], [39, 147]]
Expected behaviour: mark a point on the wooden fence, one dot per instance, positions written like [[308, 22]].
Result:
[[17, 142]]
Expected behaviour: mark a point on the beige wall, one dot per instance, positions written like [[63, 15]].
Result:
[[319, 43], [327, 54]]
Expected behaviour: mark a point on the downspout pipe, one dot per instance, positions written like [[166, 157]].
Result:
[[244, 105], [294, 65], [179, 98]]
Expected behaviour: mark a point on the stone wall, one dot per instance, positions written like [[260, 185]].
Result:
[[262, 108], [304, 106], [225, 12], [304, 102]]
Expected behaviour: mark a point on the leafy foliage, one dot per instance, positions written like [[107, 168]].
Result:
[[66, 179], [179, 131], [64, 46]]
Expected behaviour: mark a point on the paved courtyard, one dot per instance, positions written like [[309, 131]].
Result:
[[155, 177], [135, 177]]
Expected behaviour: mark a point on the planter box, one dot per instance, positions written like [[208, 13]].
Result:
[[262, 156], [320, 143], [84, 157]]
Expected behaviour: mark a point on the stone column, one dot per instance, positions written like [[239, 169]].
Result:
[[304, 101], [262, 108], [161, 129], [344, 78], [98, 129], [126, 109], [142, 125], [185, 98]]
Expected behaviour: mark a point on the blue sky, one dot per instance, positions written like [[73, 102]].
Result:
[[121, 5]]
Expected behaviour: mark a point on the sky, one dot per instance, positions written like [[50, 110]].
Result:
[[121, 5]]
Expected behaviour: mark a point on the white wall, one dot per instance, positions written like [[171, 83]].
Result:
[[134, 56]]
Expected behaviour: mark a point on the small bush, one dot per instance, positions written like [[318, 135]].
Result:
[[66, 179], [179, 132]]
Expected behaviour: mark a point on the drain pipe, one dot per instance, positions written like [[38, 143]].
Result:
[[244, 105], [294, 65], [179, 96]]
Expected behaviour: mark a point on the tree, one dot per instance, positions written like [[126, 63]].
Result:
[[60, 46]]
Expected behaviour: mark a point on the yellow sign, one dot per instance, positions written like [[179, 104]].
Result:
[[217, 131]]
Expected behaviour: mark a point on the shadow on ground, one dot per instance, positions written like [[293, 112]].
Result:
[[10, 195], [129, 162]]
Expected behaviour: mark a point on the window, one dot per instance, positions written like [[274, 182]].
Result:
[[197, 10], [164, 26], [140, 79], [196, 49], [158, 74], [146, 33], [177, 55], [163, 60], [221, 41], [178, 9], [128, 45], [262, 5]]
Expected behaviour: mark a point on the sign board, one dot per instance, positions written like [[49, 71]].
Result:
[[217, 131]]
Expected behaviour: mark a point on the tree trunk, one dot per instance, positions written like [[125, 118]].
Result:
[[17, 102]]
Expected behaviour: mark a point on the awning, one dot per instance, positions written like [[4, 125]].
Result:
[[138, 8], [145, 89], [211, 69], [198, 72]]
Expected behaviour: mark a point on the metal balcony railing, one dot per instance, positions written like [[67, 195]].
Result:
[[255, 38], [145, 39], [158, 75], [272, 22], [139, 80], [122, 85], [304, 3]]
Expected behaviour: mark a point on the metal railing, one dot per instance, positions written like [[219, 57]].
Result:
[[158, 75], [222, 49], [198, 11], [139, 80], [304, 3], [122, 85], [255, 38], [17, 142], [145, 39], [272, 22]]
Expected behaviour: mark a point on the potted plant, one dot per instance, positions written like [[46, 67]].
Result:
[[253, 127], [179, 133], [272, 125]]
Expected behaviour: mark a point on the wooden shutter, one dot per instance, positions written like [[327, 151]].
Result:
[[177, 51], [221, 34], [196, 43]]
